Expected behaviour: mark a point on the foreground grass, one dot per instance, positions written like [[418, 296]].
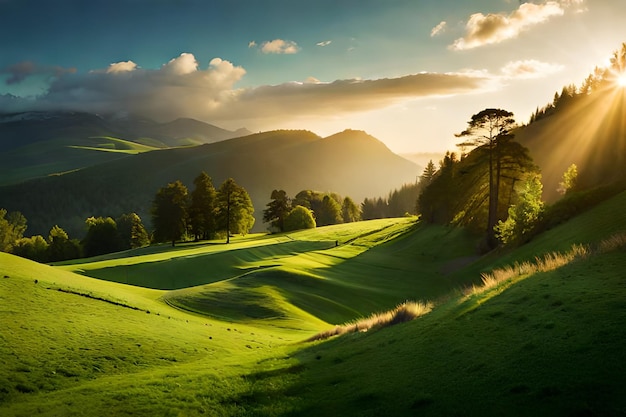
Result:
[[98, 346], [547, 344], [544, 342]]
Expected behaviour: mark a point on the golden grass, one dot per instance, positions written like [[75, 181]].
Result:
[[548, 262], [404, 312]]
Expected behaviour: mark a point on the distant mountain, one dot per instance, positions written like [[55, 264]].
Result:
[[351, 163], [34, 144], [590, 131]]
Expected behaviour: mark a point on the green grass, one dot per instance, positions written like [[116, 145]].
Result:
[[111, 144], [229, 339], [551, 345]]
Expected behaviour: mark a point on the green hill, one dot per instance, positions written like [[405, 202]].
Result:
[[350, 163], [546, 343]]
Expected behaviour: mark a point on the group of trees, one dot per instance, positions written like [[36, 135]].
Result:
[[495, 181], [309, 209], [203, 214], [103, 235]]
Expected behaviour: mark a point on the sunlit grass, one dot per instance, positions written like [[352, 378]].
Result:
[[407, 311], [546, 263]]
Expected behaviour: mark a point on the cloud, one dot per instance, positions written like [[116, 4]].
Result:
[[252, 44], [324, 43], [125, 66], [185, 64], [279, 46], [438, 29], [494, 28], [317, 99], [24, 69], [529, 68], [180, 88]]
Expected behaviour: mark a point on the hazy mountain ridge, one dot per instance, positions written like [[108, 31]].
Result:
[[34, 144], [350, 163]]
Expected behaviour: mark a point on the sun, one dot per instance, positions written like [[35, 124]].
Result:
[[621, 80]]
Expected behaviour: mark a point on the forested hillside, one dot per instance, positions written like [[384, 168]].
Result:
[[350, 163]]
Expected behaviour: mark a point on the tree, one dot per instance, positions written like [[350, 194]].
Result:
[[12, 228], [131, 231], [202, 207], [570, 177], [299, 218], [428, 175], [34, 248], [350, 212], [525, 214], [329, 212], [235, 212], [60, 247], [102, 236], [277, 209], [169, 213], [489, 129]]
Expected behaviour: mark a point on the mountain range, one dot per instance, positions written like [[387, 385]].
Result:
[[351, 163]]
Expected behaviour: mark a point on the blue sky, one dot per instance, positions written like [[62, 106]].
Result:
[[410, 73]]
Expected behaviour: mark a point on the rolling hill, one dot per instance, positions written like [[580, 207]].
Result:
[[545, 343], [36, 144], [350, 163]]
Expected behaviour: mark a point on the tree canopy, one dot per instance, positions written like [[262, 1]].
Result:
[[202, 208], [235, 212], [169, 213]]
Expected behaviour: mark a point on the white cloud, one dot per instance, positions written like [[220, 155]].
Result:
[[529, 68], [184, 64], [252, 44], [494, 28], [181, 89], [323, 43], [124, 66], [438, 29], [279, 46]]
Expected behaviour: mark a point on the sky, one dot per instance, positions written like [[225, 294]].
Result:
[[409, 72]]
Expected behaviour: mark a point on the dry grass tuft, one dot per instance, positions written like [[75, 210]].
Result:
[[549, 262], [404, 312]]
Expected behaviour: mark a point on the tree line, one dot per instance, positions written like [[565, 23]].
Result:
[[104, 235], [308, 209]]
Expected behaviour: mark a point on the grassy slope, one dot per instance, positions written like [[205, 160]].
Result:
[[305, 269], [552, 344], [66, 354]]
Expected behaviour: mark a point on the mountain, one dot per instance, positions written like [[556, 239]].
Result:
[[35, 144], [351, 163]]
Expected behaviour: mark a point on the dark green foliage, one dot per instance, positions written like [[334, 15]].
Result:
[[277, 209], [169, 213], [350, 211], [60, 247], [329, 212], [34, 248], [490, 129], [235, 212], [12, 228], [202, 208], [131, 231], [102, 236], [299, 218], [459, 193]]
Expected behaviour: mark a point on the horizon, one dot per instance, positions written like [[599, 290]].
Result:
[[410, 75]]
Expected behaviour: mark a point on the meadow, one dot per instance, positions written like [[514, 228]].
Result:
[[220, 330]]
